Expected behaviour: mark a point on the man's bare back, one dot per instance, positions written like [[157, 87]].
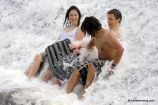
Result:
[[106, 44]]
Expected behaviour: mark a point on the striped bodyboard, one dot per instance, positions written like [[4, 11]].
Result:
[[56, 54]]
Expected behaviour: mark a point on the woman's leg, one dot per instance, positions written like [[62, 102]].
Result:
[[56, 82], [34, 67], [47, 75]]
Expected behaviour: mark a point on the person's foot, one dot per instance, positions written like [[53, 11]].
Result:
[[110, 72], [81, 97], [26, 73], [81, 93], [56, 82]]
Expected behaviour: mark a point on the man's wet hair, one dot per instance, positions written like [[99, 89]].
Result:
[[116, 13], [91, 25]]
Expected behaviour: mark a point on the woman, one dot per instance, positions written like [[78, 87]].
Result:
[[71, 31]]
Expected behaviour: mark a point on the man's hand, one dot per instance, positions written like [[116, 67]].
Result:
[[75, 48], [110, 71]]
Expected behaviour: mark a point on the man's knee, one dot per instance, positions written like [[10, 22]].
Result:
[[76, 73], [90, 75], [91, 68]]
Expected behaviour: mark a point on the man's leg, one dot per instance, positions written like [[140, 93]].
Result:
[[72, 81], [89, 79], [90, 75]]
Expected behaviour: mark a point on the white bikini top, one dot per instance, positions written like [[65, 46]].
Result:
[[69, 35]]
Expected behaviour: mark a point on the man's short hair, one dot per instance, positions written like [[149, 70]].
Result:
[[116, 13]]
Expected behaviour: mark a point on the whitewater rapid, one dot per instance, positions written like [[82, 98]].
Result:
[[28, 26]]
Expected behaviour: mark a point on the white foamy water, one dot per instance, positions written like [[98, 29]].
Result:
[[28, 26]]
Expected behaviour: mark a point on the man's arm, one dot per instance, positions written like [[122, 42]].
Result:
[[90, 44], [114, 42]]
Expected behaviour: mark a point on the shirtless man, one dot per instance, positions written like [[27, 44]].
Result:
[[109, 48], [114, 18]]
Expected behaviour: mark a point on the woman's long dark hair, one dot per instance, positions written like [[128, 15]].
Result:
[[68, 12], [91, 25]]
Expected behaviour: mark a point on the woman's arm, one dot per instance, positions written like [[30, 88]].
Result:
[[79, 35]]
